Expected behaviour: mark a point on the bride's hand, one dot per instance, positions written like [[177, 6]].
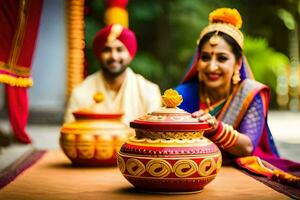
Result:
[[206, 117]]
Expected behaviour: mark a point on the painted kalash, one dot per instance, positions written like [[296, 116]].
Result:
[[94, 138], [169, 153]]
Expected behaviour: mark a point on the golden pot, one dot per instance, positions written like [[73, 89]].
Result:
[[94, 138]]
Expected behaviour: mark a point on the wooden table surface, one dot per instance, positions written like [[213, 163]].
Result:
[[53, 177]]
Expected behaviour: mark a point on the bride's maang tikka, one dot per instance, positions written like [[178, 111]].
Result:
[[214, 40]]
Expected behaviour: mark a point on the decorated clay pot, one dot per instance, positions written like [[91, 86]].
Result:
[[94, 138], [169, 152]]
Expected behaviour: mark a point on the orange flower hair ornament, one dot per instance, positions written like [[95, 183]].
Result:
[[224, 20], [226, 15]]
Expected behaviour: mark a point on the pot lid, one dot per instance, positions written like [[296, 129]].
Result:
[[94, 126], [95, 111], [170, 117]]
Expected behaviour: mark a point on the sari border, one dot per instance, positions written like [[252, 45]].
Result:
[[282, 188], [241, 100], [227, 104]]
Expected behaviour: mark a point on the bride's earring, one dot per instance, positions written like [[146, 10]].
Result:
[[236, 77]]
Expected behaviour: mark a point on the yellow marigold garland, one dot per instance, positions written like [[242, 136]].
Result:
[[16, 81], [75, 43]]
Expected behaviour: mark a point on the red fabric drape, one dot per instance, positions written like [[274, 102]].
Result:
[[18, 111], [19, 21]]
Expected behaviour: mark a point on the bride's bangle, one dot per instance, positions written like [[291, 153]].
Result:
[[225, 136]]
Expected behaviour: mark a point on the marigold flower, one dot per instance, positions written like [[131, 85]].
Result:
[[171, 98], [226, 15], [98, 97]]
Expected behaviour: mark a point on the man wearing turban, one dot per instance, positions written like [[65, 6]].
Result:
[[123, 90]]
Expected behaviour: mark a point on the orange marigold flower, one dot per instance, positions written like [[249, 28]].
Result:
[[171, 98], [226, 15]]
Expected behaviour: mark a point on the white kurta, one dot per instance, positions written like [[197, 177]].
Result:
[[136, 97]]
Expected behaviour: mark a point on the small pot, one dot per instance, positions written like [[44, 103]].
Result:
[[93, 139], [169, 152]]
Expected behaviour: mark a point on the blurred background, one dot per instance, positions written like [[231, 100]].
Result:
[[167, 31]]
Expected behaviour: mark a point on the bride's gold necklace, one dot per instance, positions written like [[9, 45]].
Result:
[[208, 101]]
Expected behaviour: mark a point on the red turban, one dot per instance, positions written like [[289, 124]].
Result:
[[112, 32]]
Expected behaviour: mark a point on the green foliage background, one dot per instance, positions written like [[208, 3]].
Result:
[[167, 31]]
